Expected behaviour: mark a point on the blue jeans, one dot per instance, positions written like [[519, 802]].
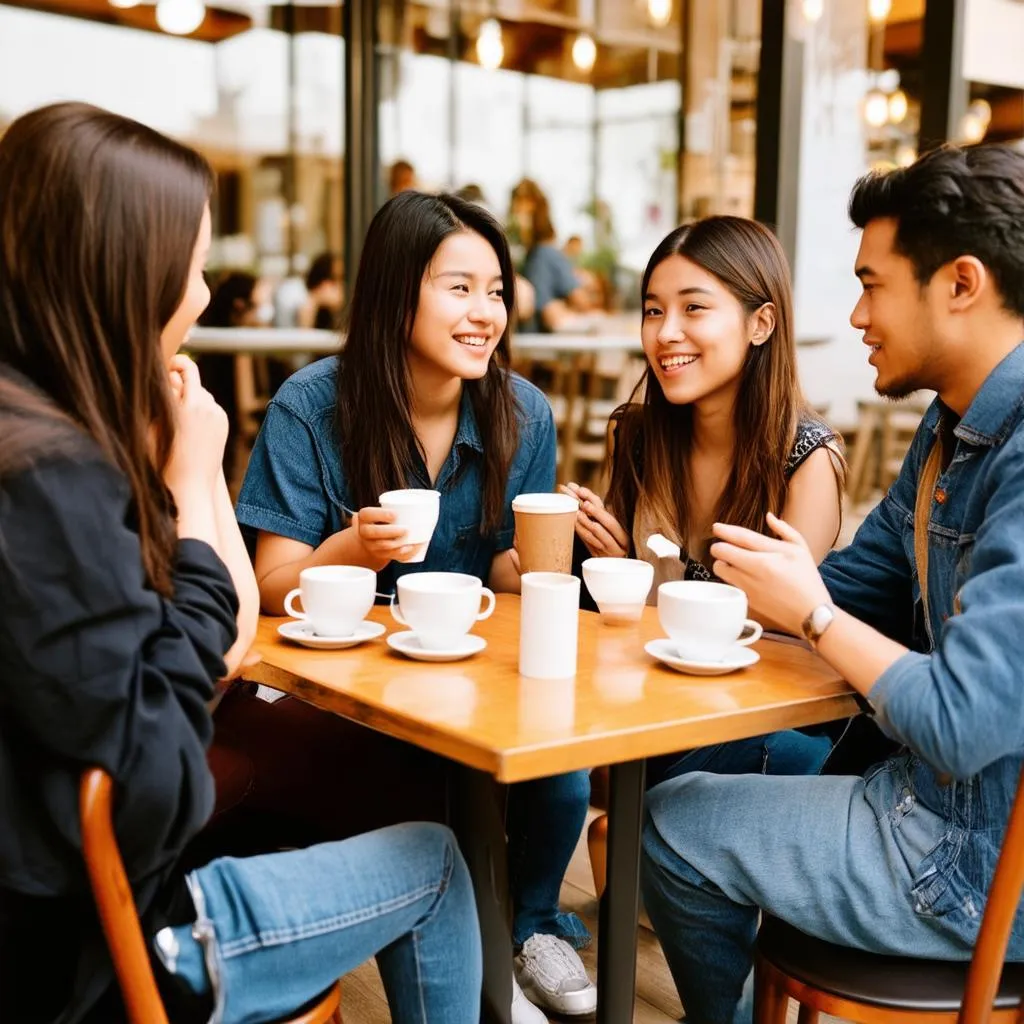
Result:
[[275, 931], [544, 820], [787, 752], [855, 861]]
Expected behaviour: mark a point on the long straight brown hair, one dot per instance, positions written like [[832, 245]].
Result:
[[99, 217], [376, 435], [650, 474]]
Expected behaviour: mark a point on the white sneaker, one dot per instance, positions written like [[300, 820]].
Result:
[[553, 976], [523, 1011]]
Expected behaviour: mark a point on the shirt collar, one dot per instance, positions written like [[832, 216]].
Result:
[[996, 407], [468, 431]]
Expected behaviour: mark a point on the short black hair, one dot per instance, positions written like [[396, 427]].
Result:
[[954, 201], [320, 270]]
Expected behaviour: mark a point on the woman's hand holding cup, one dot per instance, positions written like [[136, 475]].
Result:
[[596, 526], [382, 541]]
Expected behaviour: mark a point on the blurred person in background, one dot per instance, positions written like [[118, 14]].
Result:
[[401, 177], [326, 293], [558, 295]]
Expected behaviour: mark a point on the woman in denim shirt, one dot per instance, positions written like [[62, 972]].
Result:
[[421, 396]]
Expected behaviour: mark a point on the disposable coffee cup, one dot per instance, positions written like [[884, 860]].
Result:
[[416, 509], [545, 525]]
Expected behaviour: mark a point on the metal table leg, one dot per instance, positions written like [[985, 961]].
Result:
[[476, 813], [620, 905]]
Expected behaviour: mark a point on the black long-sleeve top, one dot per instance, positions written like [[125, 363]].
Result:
[[96, 668]]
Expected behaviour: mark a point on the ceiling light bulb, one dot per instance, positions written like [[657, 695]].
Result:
[[898, 106], [584, 52], [490, 50], [660, 12], [180, 17], [813, 9], [972, 128], [878, 10], [982, 109], [876, 108]]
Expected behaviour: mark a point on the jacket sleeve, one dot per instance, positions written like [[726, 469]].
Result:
[[959, 707], [98, 669]]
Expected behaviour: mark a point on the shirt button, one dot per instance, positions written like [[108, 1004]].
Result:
[[940, 495]]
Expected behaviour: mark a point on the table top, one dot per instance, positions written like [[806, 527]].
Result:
[[622, 705]]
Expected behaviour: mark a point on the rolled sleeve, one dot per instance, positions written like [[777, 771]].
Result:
[[283, 493], [959, 708]]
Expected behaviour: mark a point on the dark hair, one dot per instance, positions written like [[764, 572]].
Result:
[[98, 225], [541, 229], [651, 462], [472, 193], [954, 201], [374, 420], [232, 296], [321, 269]]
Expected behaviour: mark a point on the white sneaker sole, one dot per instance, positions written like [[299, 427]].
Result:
[[573, 1004]]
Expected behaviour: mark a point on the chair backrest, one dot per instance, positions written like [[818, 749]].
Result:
[[115, 902], [1001, 907]]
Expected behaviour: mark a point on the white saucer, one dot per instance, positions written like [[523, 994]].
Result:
[[738, 658], [408, 643], [301, 632]]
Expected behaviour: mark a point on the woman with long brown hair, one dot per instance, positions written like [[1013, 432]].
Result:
[[422, 397], [126, 593], [718, 430]]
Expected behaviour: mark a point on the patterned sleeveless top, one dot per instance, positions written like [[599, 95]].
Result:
[[811, 435]]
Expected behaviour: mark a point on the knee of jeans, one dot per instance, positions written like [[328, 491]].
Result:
[[660, 863], [436, 841], [571, 789]]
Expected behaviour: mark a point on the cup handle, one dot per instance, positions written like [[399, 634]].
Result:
[[289, 607], [755, 627], [396, 613], [486, 613]]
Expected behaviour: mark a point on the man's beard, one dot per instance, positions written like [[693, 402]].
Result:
[[898, 389]]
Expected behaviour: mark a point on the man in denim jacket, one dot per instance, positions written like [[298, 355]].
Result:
[[898, 861]]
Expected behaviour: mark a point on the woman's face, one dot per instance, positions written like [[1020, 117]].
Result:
[[461, 314], [695, 332], [196, 297], [259, 312]]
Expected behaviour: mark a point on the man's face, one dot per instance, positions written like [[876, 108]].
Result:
[[894, 314]]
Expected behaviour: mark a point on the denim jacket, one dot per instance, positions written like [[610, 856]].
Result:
[[296, 485], [956, 699]]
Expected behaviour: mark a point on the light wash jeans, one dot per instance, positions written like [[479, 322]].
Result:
[[275, 931], [861, 862]]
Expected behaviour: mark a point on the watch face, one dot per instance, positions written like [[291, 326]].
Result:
[[820, 619]]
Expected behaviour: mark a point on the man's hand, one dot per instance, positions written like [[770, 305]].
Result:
[[778, 576]]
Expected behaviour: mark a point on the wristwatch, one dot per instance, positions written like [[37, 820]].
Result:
[[817, 622]]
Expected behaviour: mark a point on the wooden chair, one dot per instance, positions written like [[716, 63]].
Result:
[[871, 989], [120, 919]]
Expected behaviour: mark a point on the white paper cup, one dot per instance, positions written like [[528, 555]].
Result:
[[335, 598], [705, 620], [416, 510], [549, 625]]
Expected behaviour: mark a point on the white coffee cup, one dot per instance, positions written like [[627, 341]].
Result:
[[416, 510], [549, 625], [619, 586], [440, 607], [335, 598], [705, 620]]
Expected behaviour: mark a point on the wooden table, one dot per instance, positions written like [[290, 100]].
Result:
[[621, 708]]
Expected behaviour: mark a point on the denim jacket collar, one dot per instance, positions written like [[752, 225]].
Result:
[[468, 432], [995, 408]]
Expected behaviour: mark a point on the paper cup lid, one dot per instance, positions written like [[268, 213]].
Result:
[[551, 504]]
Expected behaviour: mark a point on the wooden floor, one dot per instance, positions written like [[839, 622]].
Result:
[[657, 1002]]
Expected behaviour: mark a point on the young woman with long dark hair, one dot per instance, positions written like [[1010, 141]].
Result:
[[126, 593]]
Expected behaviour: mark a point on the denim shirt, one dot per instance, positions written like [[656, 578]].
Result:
[[296, 485], [956, 704]]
